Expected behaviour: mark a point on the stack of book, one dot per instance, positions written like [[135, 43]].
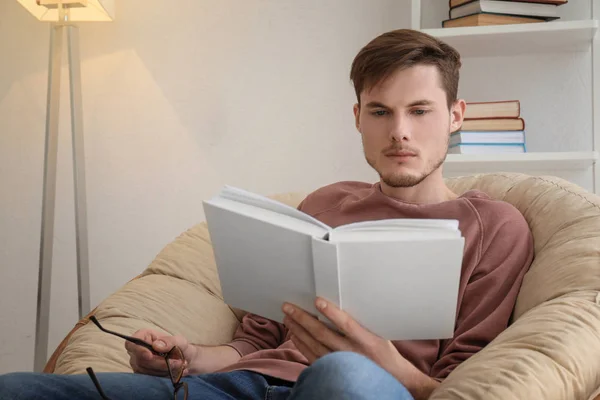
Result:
[[500, 12], [490, 127]]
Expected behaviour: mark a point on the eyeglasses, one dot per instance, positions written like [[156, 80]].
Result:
[[174, 359]]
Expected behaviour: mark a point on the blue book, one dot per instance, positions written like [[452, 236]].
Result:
[[486, 148], [491, 137]]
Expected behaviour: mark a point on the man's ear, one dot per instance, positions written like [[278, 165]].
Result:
[[357, 116], [457, 114]]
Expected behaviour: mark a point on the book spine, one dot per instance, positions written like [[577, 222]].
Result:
[[326, 270], [494, 102], [519, 16], [486, 118], [450, 6], [497, 118]]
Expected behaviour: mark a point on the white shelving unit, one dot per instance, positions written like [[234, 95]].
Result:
[[557, 36], [477, 163], [561, 36]]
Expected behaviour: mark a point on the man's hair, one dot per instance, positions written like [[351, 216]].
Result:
[[404, 48]]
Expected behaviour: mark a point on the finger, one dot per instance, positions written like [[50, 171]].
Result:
[[141, 353], [147, 360], [156, 366], [304, 349], [132, 347], [314, 345], [316, 328], [147, 335], [343, 321], [166, 343]]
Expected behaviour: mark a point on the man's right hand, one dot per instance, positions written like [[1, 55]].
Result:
[[144, 362], [199, 359]]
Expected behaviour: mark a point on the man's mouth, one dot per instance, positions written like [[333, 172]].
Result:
[[400, 154]]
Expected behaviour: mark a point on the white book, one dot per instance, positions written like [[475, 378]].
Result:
[[399, 278]]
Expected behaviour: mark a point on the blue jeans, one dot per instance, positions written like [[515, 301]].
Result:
[[338, 375]]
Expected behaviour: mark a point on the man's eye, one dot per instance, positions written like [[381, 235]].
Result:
[[379, 113], [419, 112]]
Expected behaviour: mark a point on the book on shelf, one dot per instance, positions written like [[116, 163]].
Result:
[[487, 137], [486, 19], [490, 127], [493, 109], [268, 253], [513, 8], [493, 124], [486, 148], [456, 3]]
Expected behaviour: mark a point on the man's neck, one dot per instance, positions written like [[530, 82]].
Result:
[[430, 191]]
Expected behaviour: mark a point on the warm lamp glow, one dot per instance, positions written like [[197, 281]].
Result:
[[79, 10]]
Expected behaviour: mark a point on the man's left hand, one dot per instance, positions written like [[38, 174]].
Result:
[[314, 339]]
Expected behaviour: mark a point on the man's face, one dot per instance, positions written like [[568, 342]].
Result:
[[405, 125]]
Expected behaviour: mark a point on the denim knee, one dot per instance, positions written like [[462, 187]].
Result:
[[12, 385], [343, 362], [351, 375], [344, 367]]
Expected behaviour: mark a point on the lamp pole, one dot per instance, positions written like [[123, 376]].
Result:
[[57, 31]]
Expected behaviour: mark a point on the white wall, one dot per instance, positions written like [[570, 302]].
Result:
[[178, 100]]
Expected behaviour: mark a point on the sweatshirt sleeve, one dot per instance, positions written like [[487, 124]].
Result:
[[257, 333], [492, 288]]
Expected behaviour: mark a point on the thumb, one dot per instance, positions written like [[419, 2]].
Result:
[[166, 343]]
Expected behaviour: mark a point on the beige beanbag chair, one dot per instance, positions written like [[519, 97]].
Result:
[[550, 352]]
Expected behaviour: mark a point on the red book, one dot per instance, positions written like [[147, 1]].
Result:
[[456, 3]]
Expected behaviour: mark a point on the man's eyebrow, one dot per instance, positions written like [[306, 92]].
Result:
[[423, 102], [376, 104]]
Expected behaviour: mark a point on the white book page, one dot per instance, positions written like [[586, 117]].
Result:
[[399, 223], [269, 216], [246, 197], [261, 264], [382, 235]]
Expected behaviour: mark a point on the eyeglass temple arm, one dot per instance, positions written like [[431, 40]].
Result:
[[96, 383], [137, 341]]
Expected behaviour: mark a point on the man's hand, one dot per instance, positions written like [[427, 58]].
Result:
[[198, 359], [314, 339], [144, 362]]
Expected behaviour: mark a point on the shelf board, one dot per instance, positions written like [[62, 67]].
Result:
[[514, 39], [515, 162]]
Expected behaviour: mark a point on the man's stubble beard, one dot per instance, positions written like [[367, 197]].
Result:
[[398, 180]]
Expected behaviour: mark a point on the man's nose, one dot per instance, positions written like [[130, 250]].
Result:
[[400, 129]]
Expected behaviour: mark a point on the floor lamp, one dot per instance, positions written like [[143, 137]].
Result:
[[62, 14]]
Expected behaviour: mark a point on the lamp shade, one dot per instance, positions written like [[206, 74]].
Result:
[[79, 10]]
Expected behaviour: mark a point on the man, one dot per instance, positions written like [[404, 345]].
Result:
[[406, 84]]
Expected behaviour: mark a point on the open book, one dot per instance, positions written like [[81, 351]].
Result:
[[399, 278]]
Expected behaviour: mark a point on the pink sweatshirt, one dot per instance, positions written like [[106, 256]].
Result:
[[498, 251]]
